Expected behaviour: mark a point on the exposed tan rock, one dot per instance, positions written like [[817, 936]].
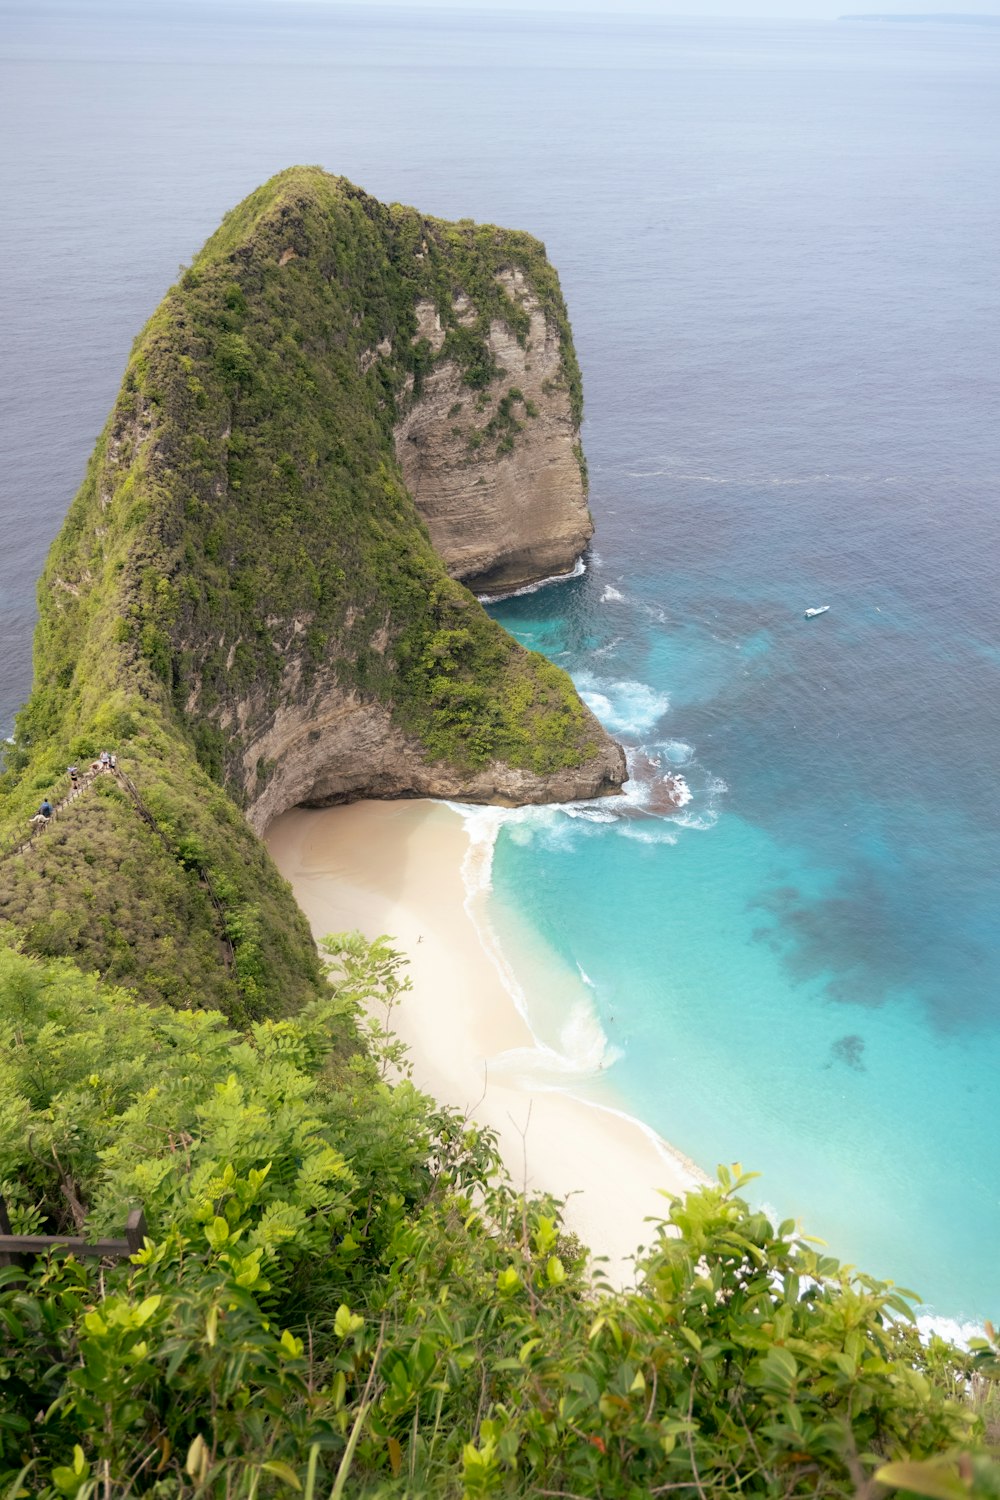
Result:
[[370, 357], [336, 748], [429, 325], [465, 310], [504, 507]]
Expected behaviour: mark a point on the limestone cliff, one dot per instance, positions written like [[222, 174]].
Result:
[[246, 603], [338, 748], [498, 478]]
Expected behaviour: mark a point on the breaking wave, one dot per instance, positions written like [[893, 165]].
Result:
[[577, 571], [623, 707], [583, 1048]]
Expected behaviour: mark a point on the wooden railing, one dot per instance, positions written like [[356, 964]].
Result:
[[24, 841], [16, 1248]]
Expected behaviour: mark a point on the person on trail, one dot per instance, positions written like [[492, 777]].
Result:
[[113, 762], [45, 811], [105, 759], [74, 776]]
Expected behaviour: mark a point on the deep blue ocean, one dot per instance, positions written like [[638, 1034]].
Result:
[[778, 247]]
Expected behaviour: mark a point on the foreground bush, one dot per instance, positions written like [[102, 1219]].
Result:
[[340, 1294]]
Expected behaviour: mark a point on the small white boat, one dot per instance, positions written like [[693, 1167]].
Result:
[[812, 613]]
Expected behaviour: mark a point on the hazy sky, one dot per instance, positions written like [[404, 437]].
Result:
[[800, 9], [804, 10]]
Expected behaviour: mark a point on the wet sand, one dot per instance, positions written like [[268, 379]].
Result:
[[396, 868]]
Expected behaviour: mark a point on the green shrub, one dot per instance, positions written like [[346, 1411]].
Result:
[[339, 1286]]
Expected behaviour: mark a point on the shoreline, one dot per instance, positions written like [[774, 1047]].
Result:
[[406, 869]]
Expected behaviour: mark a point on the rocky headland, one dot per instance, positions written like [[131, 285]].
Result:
[[340, 415]]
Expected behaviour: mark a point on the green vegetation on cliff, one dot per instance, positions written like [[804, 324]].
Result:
[[341, 1295], [242, 529], [244, 505]]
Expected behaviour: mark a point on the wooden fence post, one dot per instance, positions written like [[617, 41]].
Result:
[[135, 1229], [7, 1258]]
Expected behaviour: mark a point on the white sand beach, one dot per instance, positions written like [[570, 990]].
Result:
[[396, 868]]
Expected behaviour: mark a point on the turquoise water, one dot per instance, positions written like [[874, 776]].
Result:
[[777, 243], [798, 970]]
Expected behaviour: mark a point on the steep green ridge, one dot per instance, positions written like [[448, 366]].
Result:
[[243, 531]]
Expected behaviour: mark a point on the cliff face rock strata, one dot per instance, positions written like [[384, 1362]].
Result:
[[338, 749], [497, 475], [246, 605]]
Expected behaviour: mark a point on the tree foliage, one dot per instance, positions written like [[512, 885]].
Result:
[[340, 1292]]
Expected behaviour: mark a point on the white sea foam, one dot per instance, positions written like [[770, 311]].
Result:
[[674, 474], [624, 707], [703, 817], [760, 479], [583, 1048], [678, 752], [682, 792], [637, 788], [950, 1329], [641, 790], [610, 594], [554, 826], [577, 571], [648, 833], [590, 812], [583, 1041], [701, 821], [667, 756], [482, 824]]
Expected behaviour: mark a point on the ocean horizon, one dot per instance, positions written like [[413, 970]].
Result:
[[776, 243]]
